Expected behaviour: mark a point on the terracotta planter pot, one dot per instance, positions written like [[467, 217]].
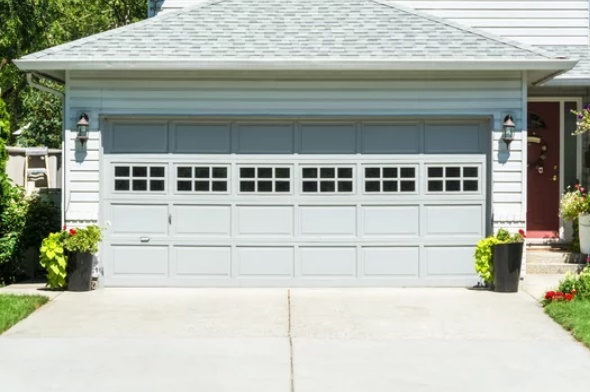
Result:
[[507, 260]]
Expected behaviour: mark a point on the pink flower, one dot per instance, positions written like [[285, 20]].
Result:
[[582, 189]]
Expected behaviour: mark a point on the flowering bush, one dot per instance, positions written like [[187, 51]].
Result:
[[574, 202], [574, 285], [55, 248], [484, 255], [583, 120]]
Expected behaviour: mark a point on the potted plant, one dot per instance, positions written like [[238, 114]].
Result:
[[583, 120], [498, 260], [575, 207], [67, 256]]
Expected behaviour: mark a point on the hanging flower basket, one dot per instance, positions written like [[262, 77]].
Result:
[[583, 120]]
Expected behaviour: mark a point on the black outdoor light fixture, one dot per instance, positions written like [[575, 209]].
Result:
[[509, 128], [83, 126]]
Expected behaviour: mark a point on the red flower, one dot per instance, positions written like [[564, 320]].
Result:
[[549, 294], [73, 231], [559, 295], [568, 297], [522, 233], [65, 227]]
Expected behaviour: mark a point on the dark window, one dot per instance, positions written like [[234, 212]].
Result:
[[282, 172], [470, 186], [184, 172], [327, 186], [139, 171], [220, 172], [247, 186], [140, 185], [453, 172], [219, 186], [247, 172], [264, 172], [390, 172], [389, 186], [372, 172], [453, 186], [327, 172], [202, 186], [157, 185], [435, 186], [282, 186], [310, 173], [122, 171], [344, 172], [435, 172], [184, 186], [408, 186], [470, 172], [157, 171], [121, 185], [310, 186], [344, 186], [372, 186], [408, 172], [201, 172], [264, 186]]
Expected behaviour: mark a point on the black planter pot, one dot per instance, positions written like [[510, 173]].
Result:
[[80, 271], [507, 262]]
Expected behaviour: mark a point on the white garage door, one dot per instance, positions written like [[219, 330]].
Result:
[[293, 203]]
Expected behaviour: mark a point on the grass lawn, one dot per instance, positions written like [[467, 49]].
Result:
[[573, 316], [14, 308]]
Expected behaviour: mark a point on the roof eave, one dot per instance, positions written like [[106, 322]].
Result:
[[298, 64], [568, 82]]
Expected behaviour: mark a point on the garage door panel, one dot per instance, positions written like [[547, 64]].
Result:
[[265, 262], [379, 221], [328, 220], [328, 139], [139, 260], [452, 139], [202, 138], [134, 219], [454, 220], [202, 261], [327, 262], [382, 262], [390, 138], [265, 139], [274, 221], [139, 138], [449, 260], [202, 220]]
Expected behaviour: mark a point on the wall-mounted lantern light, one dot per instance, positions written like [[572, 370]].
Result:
[[509, 128], [83, 126]]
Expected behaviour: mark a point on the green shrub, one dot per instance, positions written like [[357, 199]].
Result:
[[24, 222], [56, 247], [578, 282]]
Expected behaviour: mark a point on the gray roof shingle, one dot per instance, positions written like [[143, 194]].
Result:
[[292, 29], [580, 71]]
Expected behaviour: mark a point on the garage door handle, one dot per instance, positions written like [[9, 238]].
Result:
[[145, 239], [169, 219]]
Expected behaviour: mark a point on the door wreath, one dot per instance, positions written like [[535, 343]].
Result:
[[538, 163]]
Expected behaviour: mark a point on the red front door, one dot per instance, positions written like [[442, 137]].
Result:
[[543, 170]]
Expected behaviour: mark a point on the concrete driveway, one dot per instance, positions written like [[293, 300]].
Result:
[[298, 340]]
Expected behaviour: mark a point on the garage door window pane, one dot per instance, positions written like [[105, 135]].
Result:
[[453, 179], [219, 172], [388, 179], [265, 179], [156, 185], [372, 186], [121, 185], [331, 180], [219, 186], [184, 186], [247, 186], [184, 172], [310, 173], [122, 171], [435, 172], [205, 179], [156, 172], [139, 171], [140, 185], [247, 172], [139, 178]]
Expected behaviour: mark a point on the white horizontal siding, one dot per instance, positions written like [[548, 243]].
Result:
[[538, 22], [487, 95]]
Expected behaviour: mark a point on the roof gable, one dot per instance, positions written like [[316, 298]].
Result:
[[266, 31]]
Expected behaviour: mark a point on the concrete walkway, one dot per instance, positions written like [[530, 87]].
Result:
[[300, 340]]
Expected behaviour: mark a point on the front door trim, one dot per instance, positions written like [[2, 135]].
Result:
[[562, 101]]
